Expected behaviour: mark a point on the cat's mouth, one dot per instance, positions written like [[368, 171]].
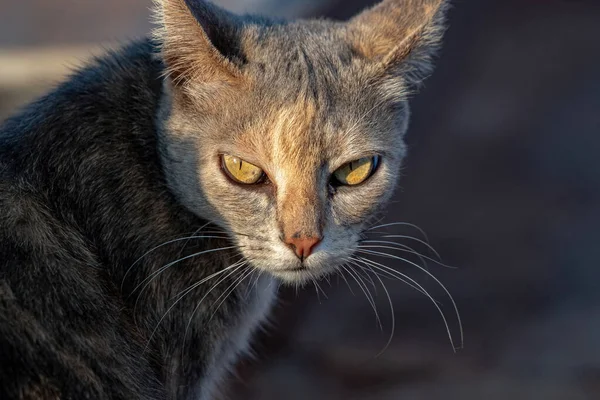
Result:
[[296, 269], [281, 263], [301, 273]]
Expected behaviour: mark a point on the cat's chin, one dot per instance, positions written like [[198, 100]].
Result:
[[301, 275]]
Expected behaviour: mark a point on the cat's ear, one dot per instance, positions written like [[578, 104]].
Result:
[[400, 36], [200, 42]]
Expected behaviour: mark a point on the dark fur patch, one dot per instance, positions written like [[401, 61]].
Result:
[[82, 197]]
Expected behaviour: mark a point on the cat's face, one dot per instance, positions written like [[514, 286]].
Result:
[[289, 136]]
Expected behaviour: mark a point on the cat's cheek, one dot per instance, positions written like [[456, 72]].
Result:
[[228, 202], [353, 208]]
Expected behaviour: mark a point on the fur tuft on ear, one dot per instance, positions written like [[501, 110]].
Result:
[[199, 41], [401, 36]]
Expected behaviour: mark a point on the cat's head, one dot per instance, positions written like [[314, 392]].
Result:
[[289, 135]]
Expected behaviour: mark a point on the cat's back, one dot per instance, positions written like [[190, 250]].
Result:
[[60, 159], [66, 152], [70, 144], [111, 96]]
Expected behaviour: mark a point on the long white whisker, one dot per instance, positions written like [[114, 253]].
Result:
[[393, 317], [165, 244], [385, 268], [194, 234], [378, 253], [400, 224], [251, 285], [402, 247], [185, 292], [316, 290], [204, 297], [343, 267], [162, 269], [390, 275], [424, 243], [367, 294], [258, 275], [230, 290], [407, 249], [368, 278], [319, 288]]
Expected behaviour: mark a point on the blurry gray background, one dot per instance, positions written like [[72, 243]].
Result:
[[503, 175]]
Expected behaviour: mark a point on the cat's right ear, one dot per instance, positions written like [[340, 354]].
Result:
[[200, 42], [400, 36]]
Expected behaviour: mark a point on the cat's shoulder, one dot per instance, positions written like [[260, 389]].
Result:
[[116, 88]]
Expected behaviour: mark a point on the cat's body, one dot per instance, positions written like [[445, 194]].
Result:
[[81, 176], [98, 174]]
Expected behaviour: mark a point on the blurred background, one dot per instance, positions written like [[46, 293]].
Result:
[[503, 175]]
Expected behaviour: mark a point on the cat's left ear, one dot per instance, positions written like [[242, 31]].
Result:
[[200, 42], [400, 36]]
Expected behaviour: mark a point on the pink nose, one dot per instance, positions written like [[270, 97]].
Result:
[[302, 245]]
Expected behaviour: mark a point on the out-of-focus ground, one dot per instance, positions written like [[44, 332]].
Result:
[[503, 175]]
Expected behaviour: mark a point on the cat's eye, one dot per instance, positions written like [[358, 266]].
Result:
[[241, 171], [356, 172]]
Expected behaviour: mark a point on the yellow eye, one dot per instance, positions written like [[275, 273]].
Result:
[[241, 171], [356, 172]]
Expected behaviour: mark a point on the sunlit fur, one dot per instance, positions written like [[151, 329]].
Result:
[[114, 281], [298, 100]]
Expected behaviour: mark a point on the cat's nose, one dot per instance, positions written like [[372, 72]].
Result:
[[302, 245]]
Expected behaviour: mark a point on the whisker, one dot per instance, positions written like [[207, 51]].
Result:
[[367, 294], [343, 267], [393, 316], [400, 224], [424, 243], [402, 247], [375, 220], [251, 285], [314, 282], [155, 274], [230, 290], [368, 278], [406, 249], [194, 234], [204, 297], [422, 290], [258, 275], [378, 253], [165, 244], [185, 292], [389, 275], [320, 288]]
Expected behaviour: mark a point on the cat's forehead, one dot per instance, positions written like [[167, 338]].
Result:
[[310, 52], [308, 103], [304, 133], [307, 71], [319, 39]]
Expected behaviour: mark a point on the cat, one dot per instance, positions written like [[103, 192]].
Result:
[[152, 204]]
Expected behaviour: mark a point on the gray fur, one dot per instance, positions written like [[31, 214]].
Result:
[[309, 96], [124, 157]]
